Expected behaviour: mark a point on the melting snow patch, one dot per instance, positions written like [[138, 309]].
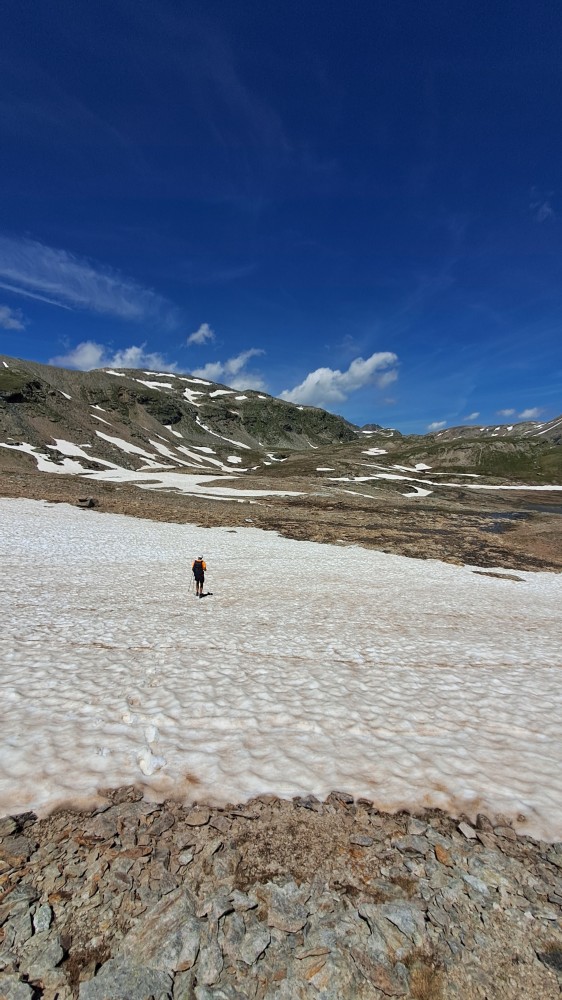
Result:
[[234, 458], [172, 431], [238, 444], [441, 708], [155, 385], [67, 467], [96, 407], [94, 416], [222, 392], [199, 381], [190, 395], [65, 394], [109, 371], [323, 468], [419, 492], [240, 397], [129, 449], [5, 363], [374, 451], [201, 447]]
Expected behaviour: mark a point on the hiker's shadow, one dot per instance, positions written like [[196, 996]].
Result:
[[208, 594]]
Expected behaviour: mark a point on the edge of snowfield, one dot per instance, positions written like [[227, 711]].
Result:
[[310, 667]]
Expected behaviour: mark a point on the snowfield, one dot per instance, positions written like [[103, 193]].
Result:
[[310, 667]]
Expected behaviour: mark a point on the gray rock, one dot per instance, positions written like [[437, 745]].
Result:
[[379, 973], [210, 962], [42, 918], [467, 831], [166, 936], [411, 843], [8, 960], [361, 839], [242, 901], [286, 909], [214, 907], [197, 817], [8, 826], [385, 936], [345, 797], [12, 988], [407, 918], [255, 940], [121, 979], [217, 993], [507, 832], [477, 884], [183, 985], [16, 849], [483, 823], [40, 954], [416, 826], [309, 802], [18, 928], [231, 935], [190, 933]]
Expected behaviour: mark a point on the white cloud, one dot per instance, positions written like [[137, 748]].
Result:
[[472, 416], [326, 386], [530, 413], [541, 207], [55, 276], [11, 319], [506, 413], [437, 425], [233, 371], [202, 335], [88, 355]]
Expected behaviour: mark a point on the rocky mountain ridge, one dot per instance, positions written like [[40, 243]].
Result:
[[59, 420]]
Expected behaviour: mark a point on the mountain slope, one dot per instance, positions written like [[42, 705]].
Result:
[[145, 415], [62, 421]]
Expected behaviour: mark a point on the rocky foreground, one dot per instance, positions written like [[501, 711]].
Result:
[[275, 899]]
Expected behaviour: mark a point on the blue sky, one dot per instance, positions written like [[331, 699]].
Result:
[[357, 205]]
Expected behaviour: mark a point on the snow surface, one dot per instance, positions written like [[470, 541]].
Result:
[[155, 385], [415, 683]]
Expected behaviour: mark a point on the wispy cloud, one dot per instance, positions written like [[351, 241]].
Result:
[[530, 414], [507, 413], [52, 275], [327, 386], [11, 319], [202, 336], [472, 416], [541, 206], [437, 425], [233, 371], [89, 354]]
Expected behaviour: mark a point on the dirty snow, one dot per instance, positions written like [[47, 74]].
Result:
[[415, 683]]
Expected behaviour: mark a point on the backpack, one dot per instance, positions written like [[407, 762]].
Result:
[[197, 568]]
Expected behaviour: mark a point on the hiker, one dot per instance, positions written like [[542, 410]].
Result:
[[198, 568]]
